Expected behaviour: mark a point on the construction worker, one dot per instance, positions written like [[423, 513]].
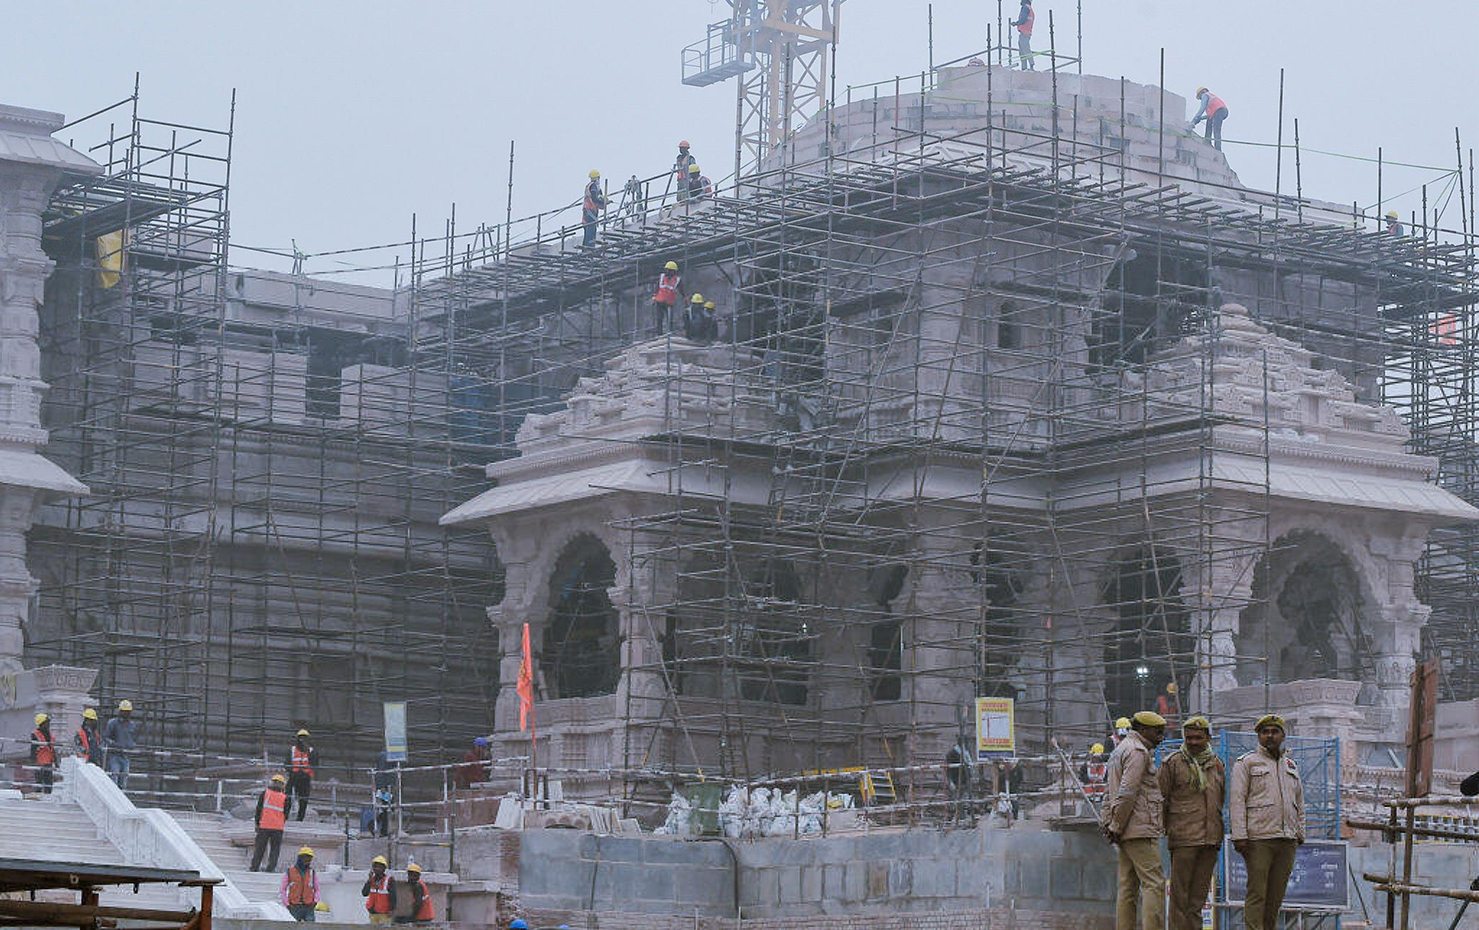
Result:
[[665, 299], [1094, 774], [590, 210], [422, 911], [1194, 782], [681, 164], [1168, 705], [699, 186], [271, 817], [1267, 811], [1132, 821], [1214, 111], [713, 313], [301, 760], [87, 740], [1023, 22], [1394, 224], [43, 753], [698, 323], [299, 890], [476, 765], [379, 891], [120, 737], [1121, 730]]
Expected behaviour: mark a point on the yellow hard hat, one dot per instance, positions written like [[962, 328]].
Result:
[[1392, 215], [413, 867], [693, 169], [1122, 724], [1097, 749], [379, 860], [696, 299], [708, 305], [277, 778], [305, 851], [1171, 688], [302, 732], [41, 718], [1270, 720], [671, 266], [125, 704], [1200, 91], [89, 714], [1198, 723], [594, 173], [1149, 718]]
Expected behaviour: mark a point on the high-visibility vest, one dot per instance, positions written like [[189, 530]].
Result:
[[1214, 103], [425, 911], [1026, 22], [46, 752], [301, 758], [1098, 779], [274, 810], [594, 199], [302, 886], [84, 741], [378, 900], [667, 288]]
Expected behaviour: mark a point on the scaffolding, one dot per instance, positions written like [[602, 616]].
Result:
[[258, 550], [918, 304]]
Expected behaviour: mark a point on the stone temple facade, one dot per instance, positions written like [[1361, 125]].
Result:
[[1048, 437]]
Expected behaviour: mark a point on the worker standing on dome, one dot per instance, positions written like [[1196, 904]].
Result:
[[681, 164], [1023, 22], [591, 207], [665, 298]]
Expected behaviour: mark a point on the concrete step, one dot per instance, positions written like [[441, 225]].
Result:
[[50, 831]]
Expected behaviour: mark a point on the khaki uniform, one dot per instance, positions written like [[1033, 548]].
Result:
[[1267, 810], [1133, 811], [1193, 834]]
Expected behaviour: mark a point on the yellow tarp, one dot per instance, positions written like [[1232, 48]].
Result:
[[110, 258]]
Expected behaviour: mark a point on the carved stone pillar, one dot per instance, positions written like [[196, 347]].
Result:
[[27, 179]]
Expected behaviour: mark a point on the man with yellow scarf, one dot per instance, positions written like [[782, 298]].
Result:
[[1193, 782]]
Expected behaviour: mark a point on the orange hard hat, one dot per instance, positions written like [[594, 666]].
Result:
[[683, 144]]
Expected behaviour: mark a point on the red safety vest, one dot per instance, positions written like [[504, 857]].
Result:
[[302, 886], [667, 289], [594, 200], [1098, 779], [1214, 103], [1026, 27], [46, 752], [274, 810], [378, 900], [425, 911], [84, 742], [300, 762]]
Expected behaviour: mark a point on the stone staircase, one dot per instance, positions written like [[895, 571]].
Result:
[[219, 835]]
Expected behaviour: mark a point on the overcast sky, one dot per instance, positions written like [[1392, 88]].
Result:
[[350, 117]]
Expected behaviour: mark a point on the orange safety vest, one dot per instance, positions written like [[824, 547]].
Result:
[[46, 752], [1098, 779], [378, 900], [274, 810], [302, 886], [1214, 103], [300, 762], [425, 911], [667, 289], [1026, 27], [84, 742], [594, 199]]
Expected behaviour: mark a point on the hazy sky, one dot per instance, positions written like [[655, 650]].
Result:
[[350, 117]]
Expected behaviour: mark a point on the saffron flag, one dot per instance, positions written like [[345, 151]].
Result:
[[526, 683]]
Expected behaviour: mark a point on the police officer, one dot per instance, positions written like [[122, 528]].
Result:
[[1132, 821], [1267, 810], [1193, 781]]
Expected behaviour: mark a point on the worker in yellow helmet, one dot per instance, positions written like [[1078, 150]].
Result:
[[43, 753], [1132, 821], [1394, 224], [1094, 773], [299, 889], [1121, 730], [87, 740], [270, 820], [665, 298], [379, 891], [301, 761], [120, 737], [590, 210]]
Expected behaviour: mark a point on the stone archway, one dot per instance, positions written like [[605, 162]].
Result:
[[1309, 615], [1151, 641], [581, 656]]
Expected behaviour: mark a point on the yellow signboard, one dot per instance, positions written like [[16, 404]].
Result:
[[996, 731]]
